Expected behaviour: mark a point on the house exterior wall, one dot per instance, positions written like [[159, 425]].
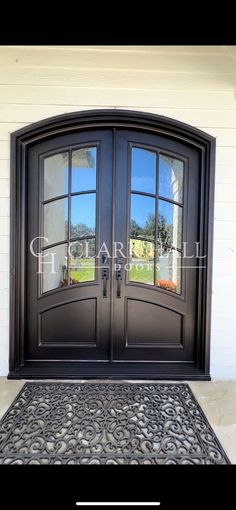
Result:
[[195, 85]]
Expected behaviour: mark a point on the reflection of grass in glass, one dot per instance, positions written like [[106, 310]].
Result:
[[83, 270], [142, 275], [142, 267]]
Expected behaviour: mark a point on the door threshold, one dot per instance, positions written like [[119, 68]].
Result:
[[78, 370]]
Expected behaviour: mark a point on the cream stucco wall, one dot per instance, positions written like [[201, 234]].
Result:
[[194, 84]]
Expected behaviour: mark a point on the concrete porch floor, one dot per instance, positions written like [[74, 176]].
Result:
[[217, 398]]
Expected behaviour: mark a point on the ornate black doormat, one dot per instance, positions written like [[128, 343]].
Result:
[[110, 423]]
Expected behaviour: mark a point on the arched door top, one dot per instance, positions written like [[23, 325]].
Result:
[[86, 119]]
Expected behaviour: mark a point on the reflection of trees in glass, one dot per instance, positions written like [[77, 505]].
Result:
[[81, 230], [83, 249], [147, 231], [165, 231], [143, 249], [135, 229]]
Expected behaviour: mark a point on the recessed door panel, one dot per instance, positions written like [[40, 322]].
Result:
[[152, 325], [78, 329]]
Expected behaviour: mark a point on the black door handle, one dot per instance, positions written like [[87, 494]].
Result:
[[105, 277], [119, 278]]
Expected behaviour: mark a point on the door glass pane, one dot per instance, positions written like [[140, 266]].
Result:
[[54, 265], [169, 224], [83, 215], [171, 173], [142, 223], [143, 171], [84, 169], [141, 261], [56, 175], [168, 269], [82, 261], [55, 221]]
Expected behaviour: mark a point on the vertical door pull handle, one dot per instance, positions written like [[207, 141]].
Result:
[[105, 277], [119, 278]]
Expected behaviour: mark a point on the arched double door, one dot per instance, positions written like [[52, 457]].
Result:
[[112, 271]]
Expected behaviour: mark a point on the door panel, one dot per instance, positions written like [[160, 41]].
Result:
[[70, 208], [144, 319], [79, 328], [156, 211]]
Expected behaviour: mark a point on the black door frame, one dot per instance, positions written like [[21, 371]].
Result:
[[21, 141]]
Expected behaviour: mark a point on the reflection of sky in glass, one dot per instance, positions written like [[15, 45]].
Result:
[[141, 207], [83, 170], [166, 209], [143, 177], [83, 210], [170, 178]]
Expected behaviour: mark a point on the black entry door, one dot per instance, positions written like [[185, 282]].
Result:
[[156, 222], [111, 216], [69, 217]]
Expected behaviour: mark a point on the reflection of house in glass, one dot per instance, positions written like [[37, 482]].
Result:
[[171, 188], [55, 219]]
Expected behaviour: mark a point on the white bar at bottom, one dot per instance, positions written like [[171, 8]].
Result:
[[118, 503]]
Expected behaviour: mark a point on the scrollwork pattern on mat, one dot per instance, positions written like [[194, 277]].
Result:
[[107, 423]]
